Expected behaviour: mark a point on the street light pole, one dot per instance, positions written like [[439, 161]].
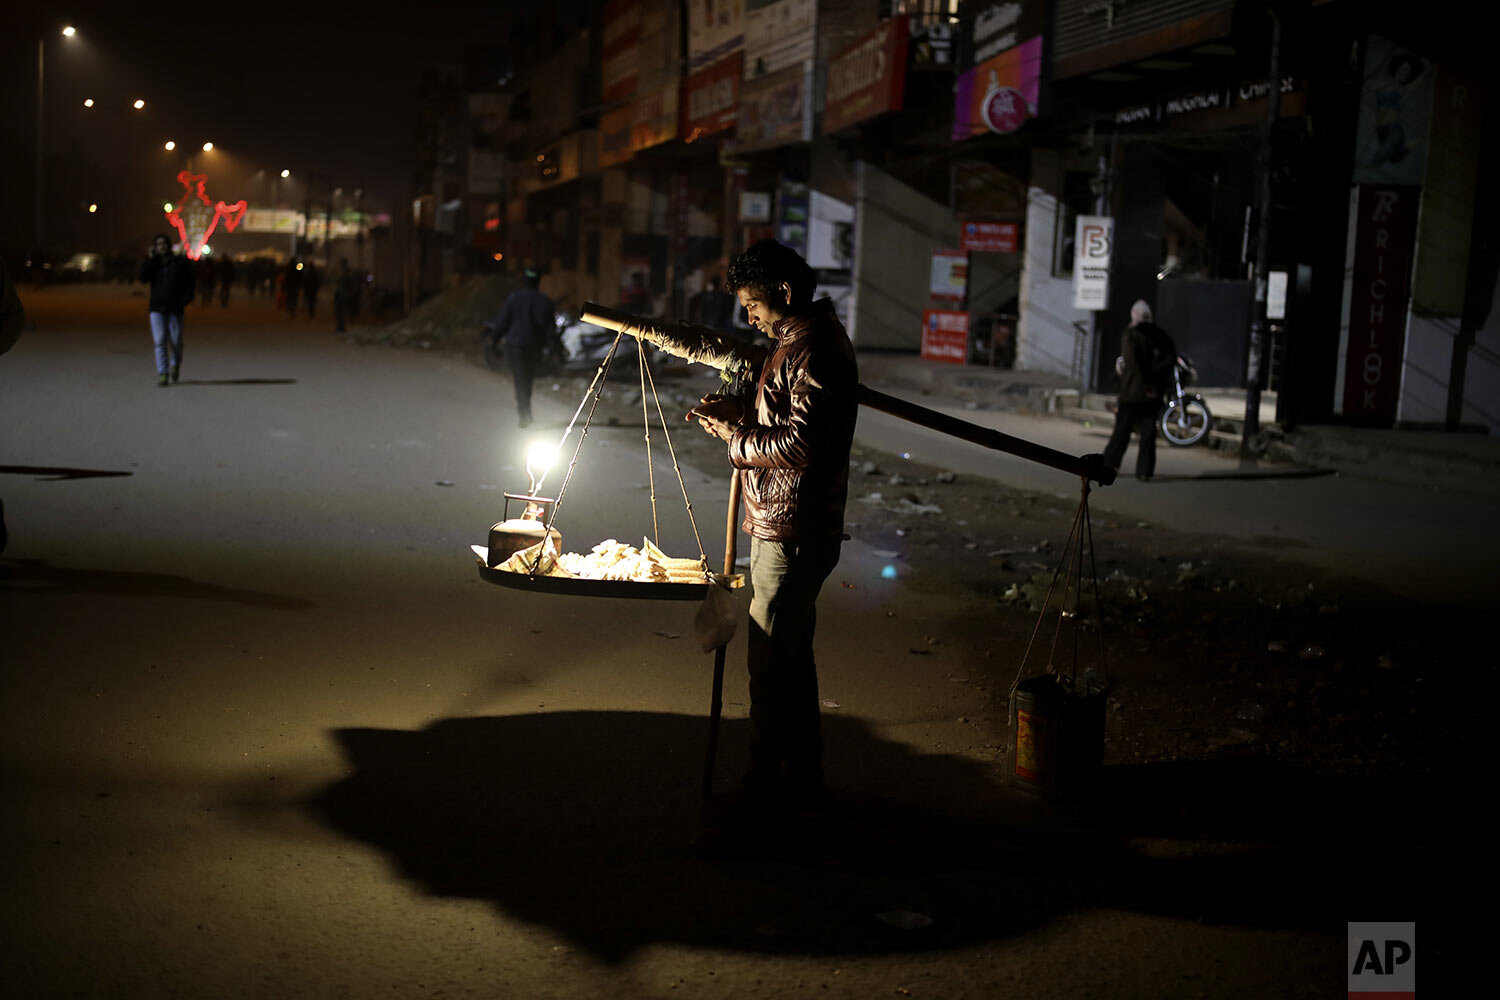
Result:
[[1251, 442], [40, 156]]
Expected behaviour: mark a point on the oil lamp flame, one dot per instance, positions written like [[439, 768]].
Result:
[[539, 459]]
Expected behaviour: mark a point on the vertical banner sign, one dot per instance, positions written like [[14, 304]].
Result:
[[1384, 234], [1095, 237], [945, 336], [950, 274]]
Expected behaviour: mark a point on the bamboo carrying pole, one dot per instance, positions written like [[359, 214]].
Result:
[[1091, 466]]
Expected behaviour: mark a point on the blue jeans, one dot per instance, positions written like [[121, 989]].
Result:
[[166, 334], [786, 743]]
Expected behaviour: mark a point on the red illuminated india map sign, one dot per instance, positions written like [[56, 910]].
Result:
[[945, 336], [195, 217]]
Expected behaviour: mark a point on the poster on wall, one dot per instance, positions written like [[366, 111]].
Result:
[[945, 336], [950, 274], [1093, 243], [791, 226], [775, 110], [1395, 113]]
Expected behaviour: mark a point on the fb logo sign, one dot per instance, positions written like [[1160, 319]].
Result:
[[1382, 961], [1095, 242]]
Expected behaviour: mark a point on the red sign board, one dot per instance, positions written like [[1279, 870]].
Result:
[[1384, 236], [945, 336], [711, 98], [867, 78], [989, 237]]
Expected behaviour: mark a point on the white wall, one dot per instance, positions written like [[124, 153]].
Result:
[[1425, 368], [1047, 341], [1482, 373], [896, 229]]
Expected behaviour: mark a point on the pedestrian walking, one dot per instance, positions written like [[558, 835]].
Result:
[[345, 291], [525, 326], [789, 429], [205, 278], [172, 282], [1144, 366], [226, 281], [311, 279], [292, 282]]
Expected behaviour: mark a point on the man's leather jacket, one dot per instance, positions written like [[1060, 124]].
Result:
[[792, 444]]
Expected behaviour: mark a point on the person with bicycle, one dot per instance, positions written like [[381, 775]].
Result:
[[1147, 355]]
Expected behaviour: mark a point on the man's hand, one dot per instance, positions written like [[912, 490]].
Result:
[[718, 415]]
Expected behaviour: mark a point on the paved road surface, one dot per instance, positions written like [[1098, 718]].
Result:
[[266, 734]]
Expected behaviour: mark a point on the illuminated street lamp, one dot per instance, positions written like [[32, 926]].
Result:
[[166, 206], [139, 104], [41, 144], [93, 208], [285, 174], [88, 102], [170, 145], [208, 147]]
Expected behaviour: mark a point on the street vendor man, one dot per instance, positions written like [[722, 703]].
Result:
[[787, 419]]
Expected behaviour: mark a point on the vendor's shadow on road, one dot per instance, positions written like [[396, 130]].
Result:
[[584, 821]]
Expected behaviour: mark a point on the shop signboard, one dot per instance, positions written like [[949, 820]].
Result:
[[775, 110], [655, 118], [1093, 243], [950, 274], [710, 98], [988, 237], [620, 56], [716, 28], [1385, 231], [945, 336], [1001, 84], [868, 78]]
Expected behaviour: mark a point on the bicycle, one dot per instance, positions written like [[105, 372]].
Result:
[[1186, 419]]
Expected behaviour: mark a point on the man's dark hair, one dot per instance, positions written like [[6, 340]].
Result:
[[532, 277], [763, 268]]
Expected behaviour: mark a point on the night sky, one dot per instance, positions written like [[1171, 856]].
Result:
[[319, 87]]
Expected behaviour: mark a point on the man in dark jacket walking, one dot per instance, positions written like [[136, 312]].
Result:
[[1147, 355], [788, 433], [170, 276], [525, 325]]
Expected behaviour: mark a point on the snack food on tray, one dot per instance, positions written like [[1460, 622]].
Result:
[[609, 560]]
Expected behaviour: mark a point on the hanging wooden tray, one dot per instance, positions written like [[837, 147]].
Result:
[[579, 587]]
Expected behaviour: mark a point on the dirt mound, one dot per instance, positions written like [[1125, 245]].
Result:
[[448, 321]]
